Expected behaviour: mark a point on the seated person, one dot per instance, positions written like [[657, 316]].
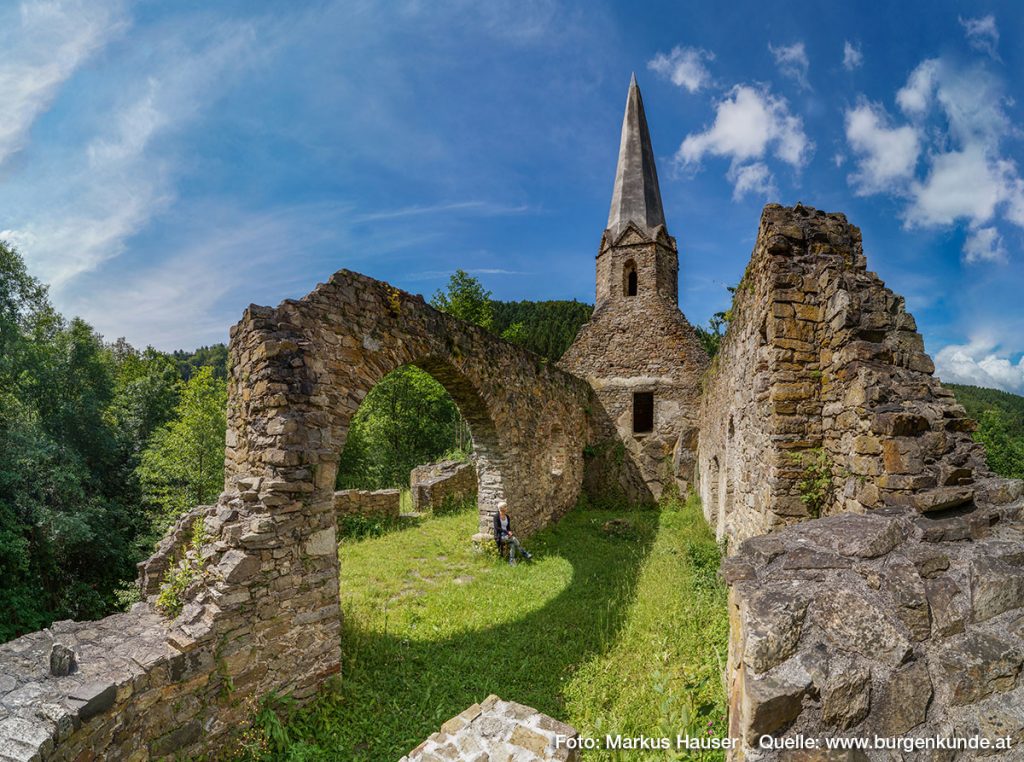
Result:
[[504, 538]]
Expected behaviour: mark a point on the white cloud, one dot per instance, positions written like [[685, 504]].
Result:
[[43, 46], [982, 34], [792, 62], [958, 124], [886, 155], [853, 58], [960, 185], [977, 363], [839, 160], [753, 178], [984, 245], [121, 180], [748, 123], [915, 97], [684, 67]]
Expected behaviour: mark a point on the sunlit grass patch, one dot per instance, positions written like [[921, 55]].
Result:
[[614, 628]]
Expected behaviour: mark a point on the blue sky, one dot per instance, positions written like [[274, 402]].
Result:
[[164, 164]]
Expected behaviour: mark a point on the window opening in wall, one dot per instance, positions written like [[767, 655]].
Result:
[[630, 280], [643, 412]]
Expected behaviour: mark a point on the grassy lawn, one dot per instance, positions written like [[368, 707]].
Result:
[[613, 633]]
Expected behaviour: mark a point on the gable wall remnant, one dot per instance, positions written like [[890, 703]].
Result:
[[886, 598], [823, 368]]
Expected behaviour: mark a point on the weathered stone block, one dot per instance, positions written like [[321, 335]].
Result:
[[902, 703], [846, 694], [995, 587], [774, 699], [856, 624], [942, 498], [772, 621], [975, 665], [63, 660], [948, 604], [92, 698]]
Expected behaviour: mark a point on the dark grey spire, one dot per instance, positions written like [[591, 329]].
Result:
[[636, 196]]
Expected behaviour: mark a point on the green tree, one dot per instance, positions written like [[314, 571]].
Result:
[[146, 391], [711, 337], [466, 299], [214, 356], [547, 328], [1005, 452], [406, 420], [183, 463]]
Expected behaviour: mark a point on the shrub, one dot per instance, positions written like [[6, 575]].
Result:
[[815, 484], [184, 573]]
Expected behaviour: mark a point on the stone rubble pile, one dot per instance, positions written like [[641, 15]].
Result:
[[498, 730]]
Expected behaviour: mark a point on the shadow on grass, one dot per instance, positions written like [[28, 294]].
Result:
[[395, 691]]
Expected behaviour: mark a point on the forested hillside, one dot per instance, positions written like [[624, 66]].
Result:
[[1000, 417], [102, 443], [547, 328]]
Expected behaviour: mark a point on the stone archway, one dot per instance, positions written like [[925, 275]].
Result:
[[299, 373]]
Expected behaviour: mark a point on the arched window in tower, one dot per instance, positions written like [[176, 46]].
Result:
[[629, 278]]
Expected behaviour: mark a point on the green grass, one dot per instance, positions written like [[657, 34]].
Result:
[[612, 633]]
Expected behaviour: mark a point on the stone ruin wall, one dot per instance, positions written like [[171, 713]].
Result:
[[498, 730], [905, 620], [639, 344], [264, 614], [382, 503], [890, 623], [443, 485], [901, 612], [821, 355]]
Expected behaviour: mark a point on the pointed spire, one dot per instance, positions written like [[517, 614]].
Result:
[[636, 196]]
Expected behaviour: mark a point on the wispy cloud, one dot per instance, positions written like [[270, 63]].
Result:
[[982, 34], [984, 245], [474, 207], [792, 62], [44, 43], [432, 274], [222, 259], [853, 58], [121, 179]]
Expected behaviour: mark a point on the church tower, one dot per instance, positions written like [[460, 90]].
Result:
[[639, 354], [627, 266]]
